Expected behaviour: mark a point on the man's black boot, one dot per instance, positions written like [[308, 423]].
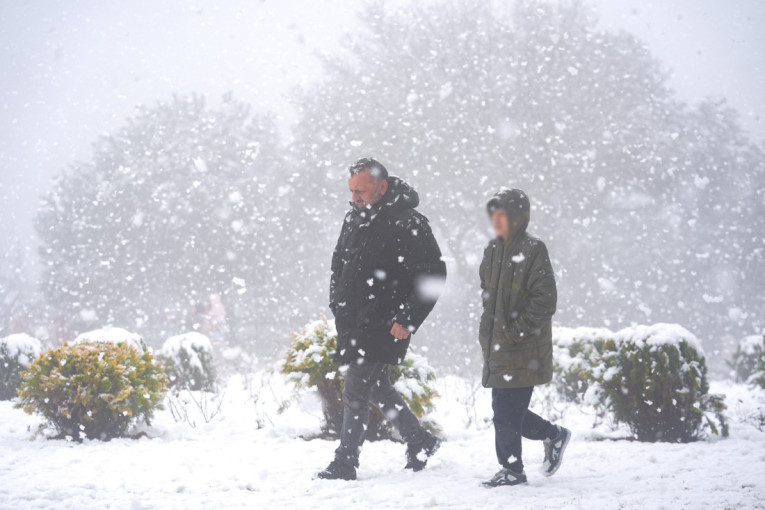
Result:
[[417, 454], [338, 471]]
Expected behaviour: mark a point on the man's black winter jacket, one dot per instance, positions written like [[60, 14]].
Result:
[[386, 268]]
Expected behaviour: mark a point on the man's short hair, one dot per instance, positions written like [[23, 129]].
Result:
[[374, 167]]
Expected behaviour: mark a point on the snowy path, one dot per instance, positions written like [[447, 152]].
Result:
[[230, 465]]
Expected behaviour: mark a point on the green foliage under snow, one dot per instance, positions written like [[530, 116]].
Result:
[[654, 379], [758, 374], [16, 353], [576, 354], [188, 362], [93, 390], [309, 364], [747, 361]]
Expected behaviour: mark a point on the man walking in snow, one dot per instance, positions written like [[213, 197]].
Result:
[[519, 300], [386, 272]]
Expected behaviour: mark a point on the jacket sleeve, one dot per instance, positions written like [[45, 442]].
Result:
[[421, 258], [337, 267], [542, 296], [482, 271]]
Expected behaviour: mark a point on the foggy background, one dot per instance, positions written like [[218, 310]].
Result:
[[629, 246]]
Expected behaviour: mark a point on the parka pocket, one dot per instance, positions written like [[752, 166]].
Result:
[[512, 357]]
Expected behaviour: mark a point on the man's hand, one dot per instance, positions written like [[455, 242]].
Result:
[[399, 331]]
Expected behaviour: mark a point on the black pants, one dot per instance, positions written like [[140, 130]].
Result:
[[365, 384], [513, 420]]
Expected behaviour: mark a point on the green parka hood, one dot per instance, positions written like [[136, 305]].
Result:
[[516, 205]]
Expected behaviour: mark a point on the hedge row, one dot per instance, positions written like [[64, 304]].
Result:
[[652, 378]]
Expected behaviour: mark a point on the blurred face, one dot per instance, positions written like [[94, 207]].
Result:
[[366, 190], [500, 224]]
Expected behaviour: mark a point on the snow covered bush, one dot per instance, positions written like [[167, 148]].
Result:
[[577, 352], [655, 381], [749, 351], [309, 364], [93, 390], [16, 353], [758, 375], [112, 335], [188, 362]]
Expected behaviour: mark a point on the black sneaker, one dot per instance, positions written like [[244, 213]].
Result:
[[417, 454], [554, 449], [506, 476], [337, 471]]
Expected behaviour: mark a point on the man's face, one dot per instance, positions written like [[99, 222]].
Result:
[[500, 223], [366, 190]]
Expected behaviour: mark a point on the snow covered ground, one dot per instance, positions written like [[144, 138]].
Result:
[[252, 457]]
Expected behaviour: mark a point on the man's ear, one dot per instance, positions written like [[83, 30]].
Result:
[[384, 187]]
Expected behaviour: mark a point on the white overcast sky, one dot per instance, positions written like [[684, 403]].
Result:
[[71, 70]]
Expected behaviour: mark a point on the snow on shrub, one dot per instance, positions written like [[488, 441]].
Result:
[[188, 362], [309, 364], [112, 335], [16, 353], [655, 381], [758, 374], [749, 351], [576, 353], [93, 390]]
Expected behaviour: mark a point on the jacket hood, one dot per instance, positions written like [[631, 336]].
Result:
[[516, 205], [399, 196]]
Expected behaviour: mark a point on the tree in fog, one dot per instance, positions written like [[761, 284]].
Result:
[[177, 214], [653, 209]]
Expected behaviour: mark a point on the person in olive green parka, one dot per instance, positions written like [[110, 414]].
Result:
[[519, 300]]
